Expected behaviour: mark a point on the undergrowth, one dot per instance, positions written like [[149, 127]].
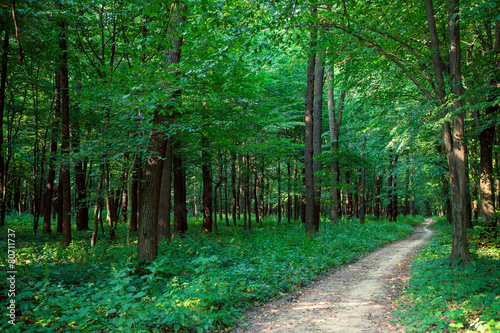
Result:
[[199, 281], [448, 298]]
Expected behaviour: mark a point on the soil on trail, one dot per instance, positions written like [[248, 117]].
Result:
[[359, 297]]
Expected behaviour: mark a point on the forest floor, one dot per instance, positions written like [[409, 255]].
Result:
[[359, 297]]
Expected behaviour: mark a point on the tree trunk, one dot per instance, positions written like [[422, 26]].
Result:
[[334, 122], [65, 137], [3, 176], [165, 208], [233, 188], [279, 191], [207, 185], [134, 197], [180, 207], [49, 193], [309, 148], [317, 131], [459, 250], [378, 186], [362, 190], [149, 199]]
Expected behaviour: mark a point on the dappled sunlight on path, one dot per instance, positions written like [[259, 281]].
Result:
[[356, 298]]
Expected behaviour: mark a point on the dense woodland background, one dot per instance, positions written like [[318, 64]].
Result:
[[152, 115]]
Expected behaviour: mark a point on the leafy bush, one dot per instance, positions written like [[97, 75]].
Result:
[[444, 297], [199, 282]]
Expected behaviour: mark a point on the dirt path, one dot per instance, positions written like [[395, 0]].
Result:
[[357, 298]]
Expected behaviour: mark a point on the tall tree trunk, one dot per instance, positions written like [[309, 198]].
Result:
[[395, 191], [134, 197], [459, 249], [3, 81], [97, 209], [390, 206], [362, 190], [207, 185], [233, 187], [378, 186], [49, 193], [486, 183], [147, 242], [65, 137], [279, 190], [288, 190], [247, 194], [165, 208], [309, 148], [334, 121], [180, 207], [317, 131]]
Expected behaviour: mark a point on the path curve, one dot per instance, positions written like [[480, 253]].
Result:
[[357, 298]]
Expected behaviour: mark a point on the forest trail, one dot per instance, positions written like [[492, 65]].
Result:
[[359, 297]]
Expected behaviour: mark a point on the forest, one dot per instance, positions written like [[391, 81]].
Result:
[[166, 165]]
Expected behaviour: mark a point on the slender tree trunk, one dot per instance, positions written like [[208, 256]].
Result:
[[65, 137], [165, 208], [247, 194], [134, 197], [279, 191], [207, 185], [395, 191], [378, 186], [49, 194], [362, 190], [334, 121], [486, 183], [180, 207], [288, 190], [233, 187], [317, 131], [309, 148], [97, 209], [3, 81]]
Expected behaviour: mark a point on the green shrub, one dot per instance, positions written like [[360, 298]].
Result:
[[443, 297]]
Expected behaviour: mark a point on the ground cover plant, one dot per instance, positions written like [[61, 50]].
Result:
[[200, 281], [442, 296]]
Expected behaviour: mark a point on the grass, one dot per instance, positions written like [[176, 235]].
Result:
[[199, 282], [445, 298]]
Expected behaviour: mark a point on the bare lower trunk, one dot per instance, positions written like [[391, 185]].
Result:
[[309, 149], [165, 194]]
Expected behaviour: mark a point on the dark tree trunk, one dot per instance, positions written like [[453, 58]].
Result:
[[180, 207], [3, 176], [486, 183], [65, 137], [362, 190], [165, 208], [317, 131], [150, 189], [233, 188], [395, 191], [207, 185], [279, 191], [82, 221], [49, 194], [309, 148], [134, 197], [378, 186], [288, 190]]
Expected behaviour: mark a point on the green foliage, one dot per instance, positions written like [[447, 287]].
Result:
[[198, 282], [442, 297]]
